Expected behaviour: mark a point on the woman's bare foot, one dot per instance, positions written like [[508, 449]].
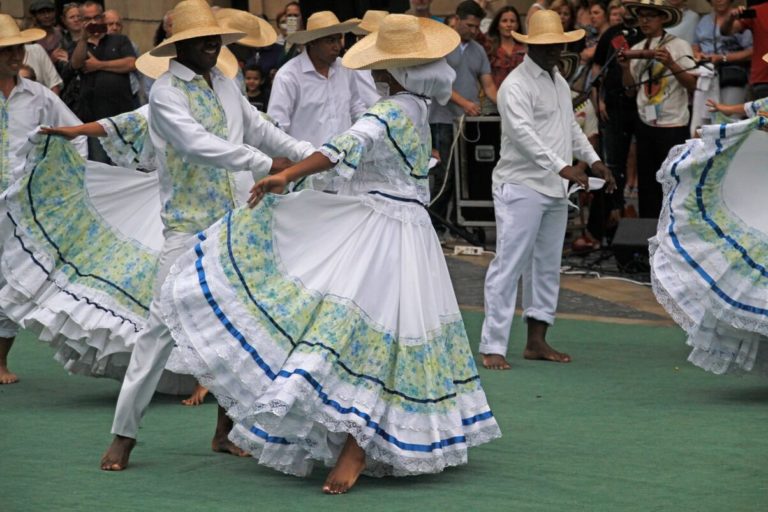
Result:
[[220, 442], [495, 362], [116, 457], [7, 376], [197, 397], [349, 466]]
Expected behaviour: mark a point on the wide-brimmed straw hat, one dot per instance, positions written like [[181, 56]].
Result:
[[191, 19], [10, 35], [370, 22], [672, 15], [545, 27], [402, 41], [153, 66], [321, 24], [258, 33]]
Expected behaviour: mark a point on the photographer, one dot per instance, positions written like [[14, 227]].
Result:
[[754, 18], [660, 79], [104, 61]]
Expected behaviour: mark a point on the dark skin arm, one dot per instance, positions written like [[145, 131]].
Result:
[[276, 183]]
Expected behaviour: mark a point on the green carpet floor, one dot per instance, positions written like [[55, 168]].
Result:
[[629, 425]]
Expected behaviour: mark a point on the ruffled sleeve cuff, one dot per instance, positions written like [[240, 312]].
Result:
[[126, 138], [346, 152]]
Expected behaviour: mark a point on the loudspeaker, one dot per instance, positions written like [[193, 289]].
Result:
[[630, 244], [477, 152]]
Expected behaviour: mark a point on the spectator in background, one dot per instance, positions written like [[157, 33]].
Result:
[[504, 52], [581, 15], [451, 20], [686, 29], [661, 86], [473, 74], [72, 21], [115, 26], [564, 8], [313, 96], [36, 58], [44, 17], [615, 13], [164, 29], [421, 9], [730, 56], [485, 23], [105, 61], [254, 82], [758, 76]]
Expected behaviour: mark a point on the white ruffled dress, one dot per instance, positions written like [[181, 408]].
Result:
[[709, 258], [318, 315]]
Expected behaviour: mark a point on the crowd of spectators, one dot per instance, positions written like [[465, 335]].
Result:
[[648, 103]]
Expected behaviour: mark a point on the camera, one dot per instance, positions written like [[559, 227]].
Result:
[[96, 28]]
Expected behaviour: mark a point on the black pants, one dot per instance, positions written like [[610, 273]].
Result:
[[653, 145]]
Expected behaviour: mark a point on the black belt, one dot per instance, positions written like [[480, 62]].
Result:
[[397, 198]]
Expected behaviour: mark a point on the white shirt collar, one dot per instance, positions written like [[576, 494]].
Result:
[[536, 70], [306, 66]]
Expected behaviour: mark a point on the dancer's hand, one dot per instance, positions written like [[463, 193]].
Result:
[[713, 106], [68, 132], [279, 163], [271, 184], [576, 174], [604, 172]]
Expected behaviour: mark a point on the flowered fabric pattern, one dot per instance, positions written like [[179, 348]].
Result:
[[127, 143], [200, 194], [708, 265], [5, 157]]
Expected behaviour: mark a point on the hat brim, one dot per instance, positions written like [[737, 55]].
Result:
[[168, 47], [564, 38], [569, 63], [673, 16], [268, 35], [154, 67], [307, 36], [440, 41], [25, 36]]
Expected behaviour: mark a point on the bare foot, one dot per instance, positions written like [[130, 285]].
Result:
[[197, 397], [224, 445], [7, 376], [541, 351], [495, 362], [349, 466], [116, 457]]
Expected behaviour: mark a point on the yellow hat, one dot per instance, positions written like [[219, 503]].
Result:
[[402, 41], [10, 35], [321, 24], [370, 22], [153, 66], [258, 33], [191, 19], [545, 27]]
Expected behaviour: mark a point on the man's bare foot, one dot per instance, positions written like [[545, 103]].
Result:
[[349, 466], [541, 351], [495, 362], [116, 457], [197, 397], [7, 376]]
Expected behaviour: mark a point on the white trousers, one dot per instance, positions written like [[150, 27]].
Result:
[[530, 228], [152, 349]]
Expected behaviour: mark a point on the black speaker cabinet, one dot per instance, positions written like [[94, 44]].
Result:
[[630, 244], [475, 156]]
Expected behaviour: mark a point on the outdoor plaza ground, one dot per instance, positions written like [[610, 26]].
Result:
[[628, 425]]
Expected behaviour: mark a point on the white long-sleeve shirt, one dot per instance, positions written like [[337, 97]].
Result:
[[30, 105], [196, 185], [539, 133], [311, 107]]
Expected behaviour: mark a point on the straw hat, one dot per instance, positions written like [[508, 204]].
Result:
[[153, 66], [10, 35], [545, 27], [258, 33], [321, 24], [191, 19], [370, 22], [402, 41], [672, 16]]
